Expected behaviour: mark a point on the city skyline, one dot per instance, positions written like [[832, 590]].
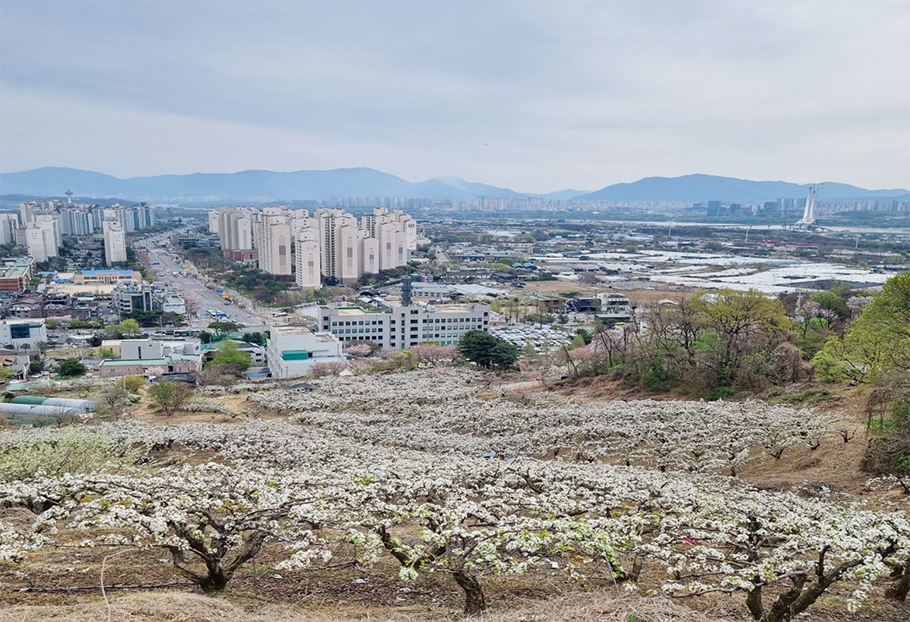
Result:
[[540, 97]]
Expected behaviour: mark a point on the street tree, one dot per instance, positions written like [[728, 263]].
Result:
[[222, 328]]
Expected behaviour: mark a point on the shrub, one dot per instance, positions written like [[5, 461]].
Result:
[[720, 392], [320, 370]]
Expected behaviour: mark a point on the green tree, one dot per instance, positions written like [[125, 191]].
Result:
[[170, 397], [131, 328], [486, 350], [229, 353], [205, 336], [742, 323], [255, 338], [225, 327], [71, 368], [106, 353], [830, 301], [876, 343]]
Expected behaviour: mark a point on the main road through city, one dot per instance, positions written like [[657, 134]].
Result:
[[191, 284]]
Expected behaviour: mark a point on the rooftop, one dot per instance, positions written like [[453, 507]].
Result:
[[120, 272], [354, 311], [16, 270], [291, 330], [114, 362]]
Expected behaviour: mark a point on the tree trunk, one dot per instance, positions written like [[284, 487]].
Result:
[[900, 588], [783, 608], [474, 600], [214, 579], [753, 602]]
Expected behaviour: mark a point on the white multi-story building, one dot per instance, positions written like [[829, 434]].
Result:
[[138, 349], [308, 260], [18, 333], [27, 212], [293, 350], [8, 225], [40, 240], [51, 222], [403, 327], [235, 229], [114, 243], [396, 233], [274, 241], [76, 222], [383, 241]]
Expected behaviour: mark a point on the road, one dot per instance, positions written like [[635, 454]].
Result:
[[161, 262]]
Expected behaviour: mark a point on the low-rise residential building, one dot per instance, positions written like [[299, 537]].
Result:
[[189, 349], [293, 350], [403, 327], [152, 357], [146, 367]]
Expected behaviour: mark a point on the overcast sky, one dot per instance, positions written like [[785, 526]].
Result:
[[533, 96]]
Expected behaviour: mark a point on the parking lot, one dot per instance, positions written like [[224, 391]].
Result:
[[542, 337]]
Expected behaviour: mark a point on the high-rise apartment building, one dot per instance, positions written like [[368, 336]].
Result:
[[8, 225], [40, 239], [114, 242], [235, 229], [308, 259], [76, 222], [383, 241], [274, 241]]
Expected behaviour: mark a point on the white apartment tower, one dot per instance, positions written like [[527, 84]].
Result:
[[235, 229], [396, 233], [51, 222], [40, 240], [339, 245], [9, 223], [274, 241], [114, 242], [213, 221], [308, 259]]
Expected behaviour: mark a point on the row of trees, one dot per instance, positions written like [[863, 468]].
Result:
[[314, 498]]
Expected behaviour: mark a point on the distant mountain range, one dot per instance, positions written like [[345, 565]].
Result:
[[269, 186], [714, 188]]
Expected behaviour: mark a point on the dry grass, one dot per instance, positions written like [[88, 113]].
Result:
[[576, 607], [185, 607]]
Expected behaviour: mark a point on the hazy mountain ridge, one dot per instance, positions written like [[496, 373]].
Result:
[[715, 188], [261, 185]]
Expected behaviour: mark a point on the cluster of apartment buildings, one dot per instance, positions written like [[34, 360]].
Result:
[[41, 225], [328, 244]]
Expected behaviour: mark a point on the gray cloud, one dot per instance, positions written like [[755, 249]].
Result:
[[535, 96]]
